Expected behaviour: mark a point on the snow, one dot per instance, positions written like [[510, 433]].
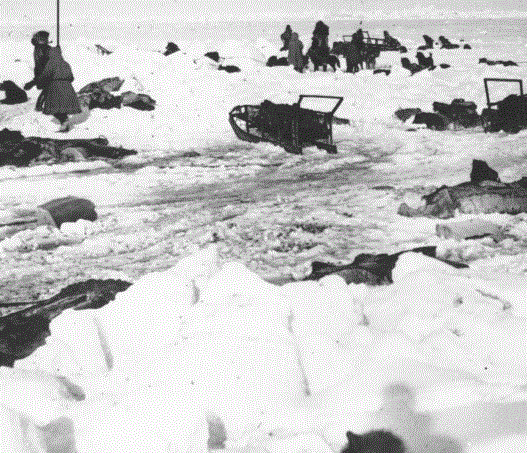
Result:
[[438, 356]]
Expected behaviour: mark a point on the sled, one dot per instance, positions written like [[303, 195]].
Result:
[[491, 116], [377, 43], [290, 126]]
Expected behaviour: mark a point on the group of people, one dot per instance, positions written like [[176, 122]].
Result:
[[53, 75], [356, 52], [319, 45]]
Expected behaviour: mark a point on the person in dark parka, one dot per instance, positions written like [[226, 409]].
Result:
[[294, 55], [40, 56], [321, 32], [286, 37], [55, 80]]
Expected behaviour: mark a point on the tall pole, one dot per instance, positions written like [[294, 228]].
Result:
[[58, 22]]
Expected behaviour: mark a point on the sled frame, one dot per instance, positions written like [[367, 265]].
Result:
[[492, 104]]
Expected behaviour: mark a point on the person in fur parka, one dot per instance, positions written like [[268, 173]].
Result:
[[55, 80], [294, 55], [40, 56]]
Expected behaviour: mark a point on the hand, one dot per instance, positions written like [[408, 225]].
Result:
[[28, 86]]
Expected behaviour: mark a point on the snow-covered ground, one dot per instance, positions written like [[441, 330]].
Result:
[[438, 357]]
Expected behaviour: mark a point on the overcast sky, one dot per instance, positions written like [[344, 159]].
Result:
[[114, 8]]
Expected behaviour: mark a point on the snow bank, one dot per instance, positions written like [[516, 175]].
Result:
[[193, 100], [308, 357]]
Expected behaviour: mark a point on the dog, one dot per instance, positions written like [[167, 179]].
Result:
[[275, 61], [321, 58], [229, 68], [425, 62], [429, 43], [412, 67], [215, 56], [446, 44], [13, 93], [170, 49], [377, 441]]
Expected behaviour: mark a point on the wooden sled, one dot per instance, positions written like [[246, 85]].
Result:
[[377, 43], [289, 126], [493, 118]]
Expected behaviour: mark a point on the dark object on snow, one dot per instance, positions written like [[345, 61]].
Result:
[[377, 441], [20, 340], [444, 65], [459, 112], [382, 70], [289, 126], [497, 62], [213, 56], [434, 121], [446, 44], [53, 213], [482, 172], [473, 197], [97, 94], [412, 67], [24, 331], [391, 43], [467, 46], [70, 209], [509, 114], [405, 114], [109, 84], [170, 49], [275, 61], [102, 50], [322, 59], [429, 43], [425, 62], [13, 93], [17, 150], [369, 268], [286, 37], [139, 101], [229, 68]]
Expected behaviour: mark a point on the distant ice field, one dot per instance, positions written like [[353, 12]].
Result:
[[499, 31]]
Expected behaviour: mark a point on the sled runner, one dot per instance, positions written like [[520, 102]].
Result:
[[289, 126]]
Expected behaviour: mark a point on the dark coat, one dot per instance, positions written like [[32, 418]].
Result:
[[55, 81], [294, 55], [286, 37], [321, 32], [40, 56]]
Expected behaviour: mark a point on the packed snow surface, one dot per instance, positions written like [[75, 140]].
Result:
[[438, 357]]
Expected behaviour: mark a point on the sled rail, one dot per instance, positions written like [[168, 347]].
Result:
[[289, 126]]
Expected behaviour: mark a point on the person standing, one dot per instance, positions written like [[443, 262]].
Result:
[[321, 32], [286, 37], [55, 81], [295, 56], [40, 56]]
